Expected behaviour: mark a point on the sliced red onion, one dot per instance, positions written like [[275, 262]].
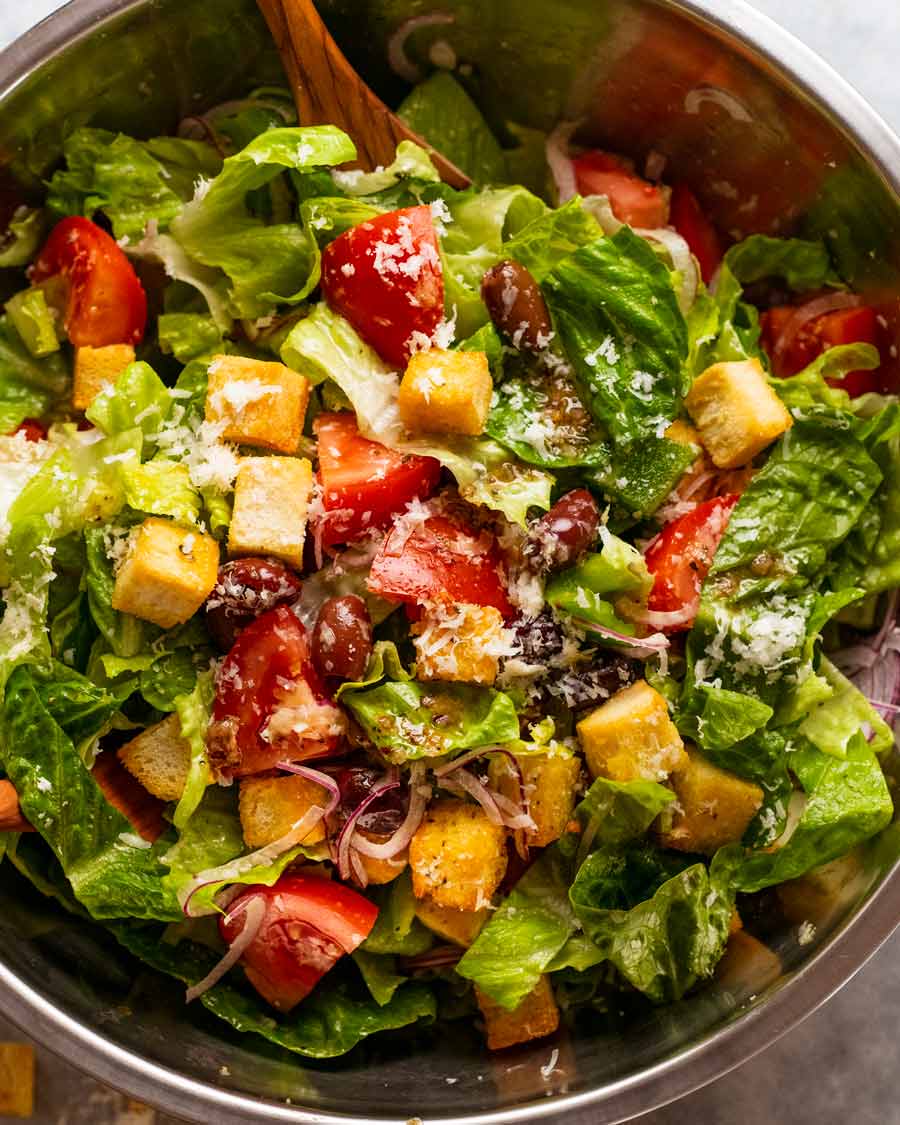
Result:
[[600, 207], [732, 105], [657, 618], [831, 302], [325, 780], [464, 759], [345, 836], [233, 870], [359, 868], [682, 259], [400, 63], [254, 910], [462, 782], [439, 957], [419, 795], [561, 166], [637, 647]]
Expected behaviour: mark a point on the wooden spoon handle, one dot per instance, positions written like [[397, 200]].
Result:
[[328, 91]]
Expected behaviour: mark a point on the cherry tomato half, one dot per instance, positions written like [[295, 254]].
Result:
[[633, 200], [844, 326]]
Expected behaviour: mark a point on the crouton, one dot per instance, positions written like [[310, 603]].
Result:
[[168, 573], [271, 498], [536, 1016], [713, 807], [736, 411], [631, 736], [824, 892], [683, 433], [457, 855], [261, 404], [380, 871], [458, 643], [461, 927], [271, 806], [159, 758], [550, 782], [96, 369], [16, 1080], [747, 965], [446, 392]]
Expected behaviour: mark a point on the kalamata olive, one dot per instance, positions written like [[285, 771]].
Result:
[[538, 638], [560, 537], [517, 306], [245, 589], [385, 815], [586, 687], [342, 638]]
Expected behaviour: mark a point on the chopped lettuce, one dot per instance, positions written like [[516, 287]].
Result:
[[29, 387], [397, 931], [803, 264], [194, 710]]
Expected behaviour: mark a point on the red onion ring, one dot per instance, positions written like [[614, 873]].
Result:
[[345, 835], [254, 908], [398, 60], [637, 647], [319, 778], [561, 166], [831, 302], [419, 795]]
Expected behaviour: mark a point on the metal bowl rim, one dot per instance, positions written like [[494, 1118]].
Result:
[[797, 997]]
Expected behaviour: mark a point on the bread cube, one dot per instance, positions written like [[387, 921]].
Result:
[[261, 404], [683, 433], [446, 392], [533, 1018], [747, 966], [824, 892], [631, 736], [458, 643], [713, 807], [271, 806], [159, 758], [550, 783], [168, 574], [457, 855], [16, 1080], [96, 369], [461, 927], [271, 498], [736, 411], [380, 871]]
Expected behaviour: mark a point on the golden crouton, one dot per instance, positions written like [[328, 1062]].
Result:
[[159, 758], [683, 433], [262, 404], [536, 1016], [631, 736], [461, 927], [271, 806], [96, 369], [550, 782], [271, 497], [168, 573], [458, 643], [446, 392], [457, 855], [747, 965], [822, 893], [713, 807], [736, 411], [16, 1080], [380, 871]]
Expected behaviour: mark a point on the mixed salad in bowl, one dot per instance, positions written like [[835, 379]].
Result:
[[425, 604]]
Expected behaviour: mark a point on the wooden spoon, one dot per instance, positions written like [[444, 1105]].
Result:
[[328, 91]]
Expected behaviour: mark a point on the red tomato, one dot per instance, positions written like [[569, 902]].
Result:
[[126, 794], [385, 277], [696, 230], [308, 925], [267, 686], [845, 326], [106, 303], [679, 559], [365, 484], [633, 200], [32, 429], [440, 560]]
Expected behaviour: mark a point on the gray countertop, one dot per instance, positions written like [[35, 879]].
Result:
[[841, 1064]]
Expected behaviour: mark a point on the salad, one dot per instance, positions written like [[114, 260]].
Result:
[[426, 605]]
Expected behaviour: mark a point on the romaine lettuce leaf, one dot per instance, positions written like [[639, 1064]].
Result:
[[617, 315], [408, 720], [803, 264], [441, 111], [139, 398], [831, 724], [194, 710], [28, 386], [397, 930], [412, 165], [189, 336]]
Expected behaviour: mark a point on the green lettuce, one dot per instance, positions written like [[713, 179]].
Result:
[[29, 387], [802, 264], [617, 315], [586, 591], [189, 336], [397, 930], [831, 724], [194, 710], [138, 399]]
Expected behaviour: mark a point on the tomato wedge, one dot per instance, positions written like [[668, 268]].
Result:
[[308, 925], [697, 231], [440, 560], [679, 559], [270, 705], [844, 326], [385, 277], [32, 429], [106, 303], [633, 200], [365, 484]]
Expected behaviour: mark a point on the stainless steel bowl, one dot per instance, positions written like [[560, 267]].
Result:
[[771, 139]]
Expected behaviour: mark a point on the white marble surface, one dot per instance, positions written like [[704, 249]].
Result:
[[841, 1064]]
